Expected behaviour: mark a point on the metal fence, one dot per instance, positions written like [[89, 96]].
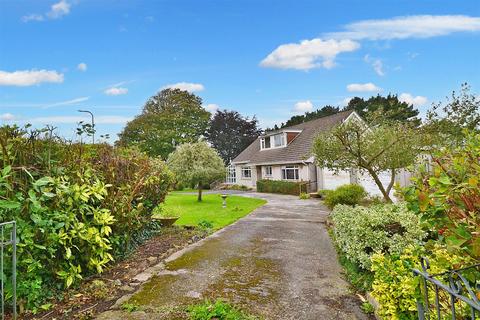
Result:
[[448, 295], [8, 267]]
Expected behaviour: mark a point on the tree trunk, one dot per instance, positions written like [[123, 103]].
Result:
[[384, 192], [199, 193]]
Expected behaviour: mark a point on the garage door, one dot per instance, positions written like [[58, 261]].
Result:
[[332, 180]]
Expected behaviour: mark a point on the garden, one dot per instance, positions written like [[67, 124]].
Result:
[[86, 214], [437, 217]]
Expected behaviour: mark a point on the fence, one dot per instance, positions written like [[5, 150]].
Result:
[[8, 265], [455, 300]]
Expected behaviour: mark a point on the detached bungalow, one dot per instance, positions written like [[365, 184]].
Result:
[[286, 155]]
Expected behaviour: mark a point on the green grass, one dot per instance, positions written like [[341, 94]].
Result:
[[192, 212]]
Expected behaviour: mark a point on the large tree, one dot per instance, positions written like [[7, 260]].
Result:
[[383, 146], [230, 133], [196, 164], [390, 106], [169, 118]]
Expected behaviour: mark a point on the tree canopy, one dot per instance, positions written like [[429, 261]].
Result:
[[322, 112], [230, 133], [390, 106], [169, 118], [385, 147], [196, 164]]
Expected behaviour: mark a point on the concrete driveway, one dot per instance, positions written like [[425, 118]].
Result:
[[278, 263]]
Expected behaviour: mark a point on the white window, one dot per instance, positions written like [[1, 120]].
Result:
[[231, 175], [268, 171], [279, 140], [246, 172], [265, 143], [290, 173]]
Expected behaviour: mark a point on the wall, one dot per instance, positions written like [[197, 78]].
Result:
[[303, 173]]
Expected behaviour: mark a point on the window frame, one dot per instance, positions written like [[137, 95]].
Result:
[[296, 172], [266, 169], [245, 169]]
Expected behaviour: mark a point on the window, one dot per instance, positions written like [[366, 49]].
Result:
[[290, 173], [268, 171], [265, 143], [246, 172], [279, 140], [231, 175]]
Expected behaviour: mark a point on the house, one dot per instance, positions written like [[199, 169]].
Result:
[[286, 154]]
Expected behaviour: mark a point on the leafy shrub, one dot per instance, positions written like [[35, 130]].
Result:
[[304, 196], [205, 224], [76, 206], [282, 187], [349, 194], [448, 197], [395, 287], [361, 231], [218, 310]]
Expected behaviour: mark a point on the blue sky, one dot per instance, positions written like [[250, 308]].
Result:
[[271, 59]]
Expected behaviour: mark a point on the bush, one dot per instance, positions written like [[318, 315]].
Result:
[[448, 197], [361, 231], [349, 194], [396, 289], [219, 310], [282, 187], [77, 207], [304, 196]]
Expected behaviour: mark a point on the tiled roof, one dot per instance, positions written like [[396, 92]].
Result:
[[297, 150]]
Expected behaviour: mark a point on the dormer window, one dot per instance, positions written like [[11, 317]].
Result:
[[265, 143], [279, 140]]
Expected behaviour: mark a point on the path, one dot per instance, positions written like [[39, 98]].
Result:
[[278, 262]]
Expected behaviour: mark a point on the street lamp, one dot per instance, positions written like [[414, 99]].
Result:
[[93, 124]]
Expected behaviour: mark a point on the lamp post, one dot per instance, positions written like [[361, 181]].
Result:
[[93, 124]]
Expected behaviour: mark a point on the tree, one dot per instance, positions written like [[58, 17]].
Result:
[[196, 164], [308, 116], [230, 133], [168, 119], [458, 113], [392, 108], [379, 147]]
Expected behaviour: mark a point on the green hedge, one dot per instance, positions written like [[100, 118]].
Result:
[[283, 187]]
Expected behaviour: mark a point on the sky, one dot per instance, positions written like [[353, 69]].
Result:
[[269, 59]]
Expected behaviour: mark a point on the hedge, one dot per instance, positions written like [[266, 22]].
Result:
[[282, 187]]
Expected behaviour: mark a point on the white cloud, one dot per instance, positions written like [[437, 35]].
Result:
[[303, 106], [418, 26], [308, 54], [115, 91], [377, 64], [68, 102], [82, 66], [186, 86], [410, 99], [212, 107], [32, 77], [75, 119], [363, 87], [7, 117], [32, 17], [59, 10]]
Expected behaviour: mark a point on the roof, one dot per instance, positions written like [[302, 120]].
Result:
[[297, 150]]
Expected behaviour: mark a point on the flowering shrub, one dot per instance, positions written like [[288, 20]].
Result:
[[360, 231], [396, 289]]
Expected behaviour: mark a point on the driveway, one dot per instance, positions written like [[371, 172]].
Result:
[[278, 262]]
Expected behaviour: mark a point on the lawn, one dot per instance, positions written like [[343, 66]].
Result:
[[192, 212]]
